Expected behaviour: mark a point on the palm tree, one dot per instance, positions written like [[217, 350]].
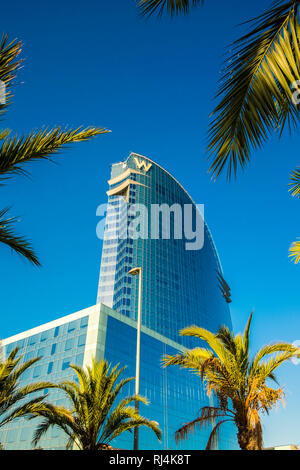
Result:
[[239, 383], [16, 151], [94, 419], [256, 89], [16, 401]]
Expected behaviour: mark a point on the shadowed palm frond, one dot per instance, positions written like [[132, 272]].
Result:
[[294, 252], [172, 7], [208, 415], [16, 242], [227, 338], [295, 182], [53, 416], [4, 133], [215, 434], [255, 91]]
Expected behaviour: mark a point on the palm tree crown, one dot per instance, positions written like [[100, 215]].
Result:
[[239, 383], [13, 403], [94, 418]]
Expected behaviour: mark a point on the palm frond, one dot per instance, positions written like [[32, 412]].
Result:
[[4, 133], [267, 368], [16, 242], [212, 339], [215, 434], [190, 359], [93, 419], [227, 338], [53, 416], [208, 415], [14, 398], [9, 65], [295, 182], [294, 252], [15, 151], [255, 91], [126, 419], [246, 334], [271, 349], [172, 7]]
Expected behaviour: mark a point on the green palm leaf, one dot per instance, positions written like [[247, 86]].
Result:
[[294, 252], [295, 182], [238, 383], [9, 65], [14, 398], [39, 145], [94, 420], [255, 91], [173, 7], [16, 242]]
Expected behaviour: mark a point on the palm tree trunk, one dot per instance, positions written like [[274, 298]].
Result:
[[248, 439]]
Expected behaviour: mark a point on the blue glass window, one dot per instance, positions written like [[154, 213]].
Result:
[[37, 371], [84, 322], [33, 339], [81, 340], [41, 352], [66, 364], [69, 344]]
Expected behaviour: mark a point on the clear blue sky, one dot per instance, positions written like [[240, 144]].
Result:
[[152, 83]]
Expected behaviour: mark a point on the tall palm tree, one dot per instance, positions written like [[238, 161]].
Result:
[[239, 383], [17, 401], [94, 419], [256, 89], [16, 151]]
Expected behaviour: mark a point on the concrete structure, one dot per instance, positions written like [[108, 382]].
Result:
[[286, 447]]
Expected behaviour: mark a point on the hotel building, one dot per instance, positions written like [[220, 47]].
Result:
[[179, 288]]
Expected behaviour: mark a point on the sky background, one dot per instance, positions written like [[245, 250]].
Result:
[[152, 82]]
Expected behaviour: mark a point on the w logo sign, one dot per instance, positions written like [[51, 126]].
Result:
[[142, 164]]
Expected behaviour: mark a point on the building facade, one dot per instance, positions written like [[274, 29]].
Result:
[[179, 288], [180, 285], [175, 396]]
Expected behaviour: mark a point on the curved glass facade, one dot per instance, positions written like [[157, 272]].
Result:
[[180, 285]]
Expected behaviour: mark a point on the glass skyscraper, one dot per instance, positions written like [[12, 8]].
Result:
[[179, 288], [180, 285]]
